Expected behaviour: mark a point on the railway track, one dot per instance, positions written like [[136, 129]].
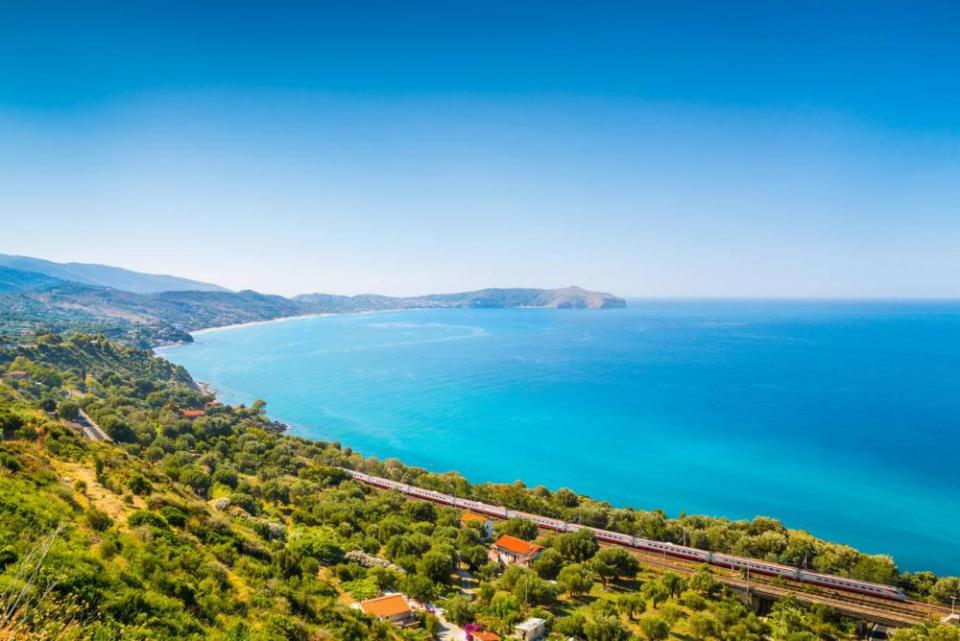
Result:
[[882, 611], [857, 605]]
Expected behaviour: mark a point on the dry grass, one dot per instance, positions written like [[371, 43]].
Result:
[[99, 496], [20, 599]]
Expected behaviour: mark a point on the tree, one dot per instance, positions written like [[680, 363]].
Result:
[[946, 588], [474, 556], [655, 628], [571, 626], [419, 587], [605, 628], [421, 511], [656, 592], [317, 543], [532, 590], [438, 564], [674, 583], [548, 564], [458, 610], [631, 605], [68, 410], [139, 485], [704, 582], [613, 563], [566, 498], [701, 626], [575, 579], [577, 547], [226, 475], [195, 477], [511, 575], [520, 528]]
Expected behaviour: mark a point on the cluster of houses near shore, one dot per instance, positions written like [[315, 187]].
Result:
[[400, 610]]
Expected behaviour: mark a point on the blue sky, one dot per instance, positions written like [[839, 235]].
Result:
[[668, 149]]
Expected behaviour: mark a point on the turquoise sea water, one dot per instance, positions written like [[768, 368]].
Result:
[[839, 418]]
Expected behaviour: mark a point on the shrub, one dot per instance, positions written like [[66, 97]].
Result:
[[174, 515], [146, 517], [98, 520]]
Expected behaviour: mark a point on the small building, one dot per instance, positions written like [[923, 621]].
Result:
[[486, 522], [483, 635], [509, 549], [192, 413], [531, 630], [16, 374], [391, 607]]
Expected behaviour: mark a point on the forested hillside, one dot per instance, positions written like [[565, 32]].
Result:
[[144, 315], [206, 521]]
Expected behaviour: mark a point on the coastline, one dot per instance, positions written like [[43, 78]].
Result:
[[311, 423], [282, 319]]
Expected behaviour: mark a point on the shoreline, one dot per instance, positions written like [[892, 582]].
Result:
[[284, 319]]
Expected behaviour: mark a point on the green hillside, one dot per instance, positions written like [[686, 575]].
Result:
[[33, 302]]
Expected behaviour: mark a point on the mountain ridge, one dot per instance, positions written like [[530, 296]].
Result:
[[106, 275], [31, 301]]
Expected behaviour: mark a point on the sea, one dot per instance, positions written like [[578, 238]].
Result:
[[841, 418]]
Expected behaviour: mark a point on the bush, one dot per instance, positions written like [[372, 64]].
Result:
[[98, 520], [520, 528], [9, 461], [146, 517], [317, 543], [139, 485], [8, 556], [226, 475], [174, 515], [68, 410]]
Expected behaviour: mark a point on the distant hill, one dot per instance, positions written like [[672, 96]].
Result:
[[16, 280], [565, 298], [32, 301], [107, 276]]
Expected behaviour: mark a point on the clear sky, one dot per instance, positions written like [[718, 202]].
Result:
[[649, 149]]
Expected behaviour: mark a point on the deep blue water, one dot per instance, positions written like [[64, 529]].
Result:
[[839, 418]]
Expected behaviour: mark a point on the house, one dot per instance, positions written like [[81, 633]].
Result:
[[391, 607], [16, 374], [482, 635], [486, 522], [192, 413], [531, 630], [509, 549]]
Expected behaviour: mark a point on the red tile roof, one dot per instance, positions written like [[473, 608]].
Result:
[[485, 636], [470, 516], [517, 547], [386, 606], [17, 373], [192, 413]]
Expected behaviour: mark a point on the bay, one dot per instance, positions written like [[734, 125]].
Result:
[[838, 417]]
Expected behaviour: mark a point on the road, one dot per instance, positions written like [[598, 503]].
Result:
[[90, 429]]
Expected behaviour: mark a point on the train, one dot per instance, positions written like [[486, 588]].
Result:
[[746, 565]]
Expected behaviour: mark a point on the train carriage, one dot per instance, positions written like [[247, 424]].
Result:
[[671, 549]]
